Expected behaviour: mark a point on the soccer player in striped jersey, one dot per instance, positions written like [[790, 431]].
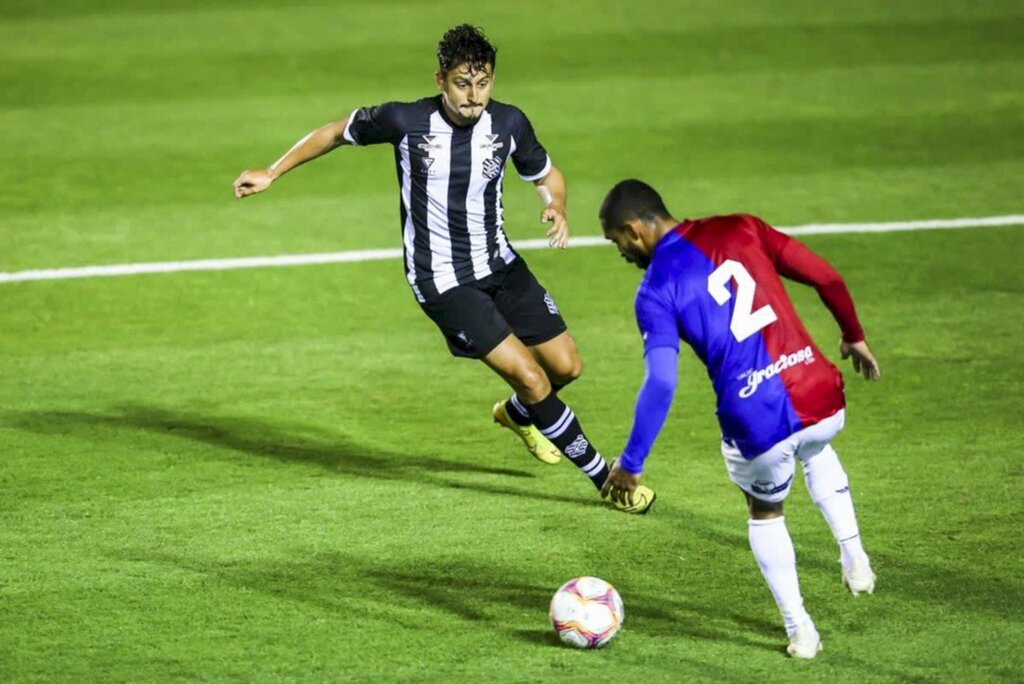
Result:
[[451, 151], [716, 283]]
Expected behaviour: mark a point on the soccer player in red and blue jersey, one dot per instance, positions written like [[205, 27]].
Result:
[[716, 283]]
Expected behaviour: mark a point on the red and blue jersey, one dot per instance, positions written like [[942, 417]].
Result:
[[716, 283]]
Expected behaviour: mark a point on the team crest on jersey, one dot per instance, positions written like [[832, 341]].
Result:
[[492, 167]]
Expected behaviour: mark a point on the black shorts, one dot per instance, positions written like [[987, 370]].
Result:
[[475, 318]]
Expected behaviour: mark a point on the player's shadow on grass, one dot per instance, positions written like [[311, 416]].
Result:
[[476, 592], [938, 584], [285, 443], [489, 596]]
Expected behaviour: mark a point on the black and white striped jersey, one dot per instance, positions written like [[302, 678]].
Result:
[[451, 180]]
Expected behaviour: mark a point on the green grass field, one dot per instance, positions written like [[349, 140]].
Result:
[[281, 475]]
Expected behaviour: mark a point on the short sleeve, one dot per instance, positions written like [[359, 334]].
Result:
[[656, 320], [529, 156], [374, 125]]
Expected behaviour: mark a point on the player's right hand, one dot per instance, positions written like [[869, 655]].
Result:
[[558, 234], [863, 360], [620, 485], [251, 182]]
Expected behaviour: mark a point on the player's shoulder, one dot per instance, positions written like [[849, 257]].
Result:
[[397, 109], [506, 114], [649, 289], [728, 229], [390, 121], [504, 108], [726, 223], [681, 256], [660, 274]]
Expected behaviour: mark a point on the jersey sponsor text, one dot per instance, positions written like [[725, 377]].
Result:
[[785, 361]]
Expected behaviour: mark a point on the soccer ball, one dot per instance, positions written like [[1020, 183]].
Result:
[[586, 612]]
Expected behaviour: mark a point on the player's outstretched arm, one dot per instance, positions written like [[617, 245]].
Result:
[[652, 408], [321, 141], [551, 189], [796, 261], [863, 360]]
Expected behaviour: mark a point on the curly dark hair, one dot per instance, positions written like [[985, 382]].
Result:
[[631, 199], [465, 44]]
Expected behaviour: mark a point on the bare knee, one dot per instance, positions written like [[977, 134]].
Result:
[[563, 366], [570, 369], [530, 382]]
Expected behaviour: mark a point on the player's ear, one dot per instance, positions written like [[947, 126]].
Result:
[[632, 228], [439, 77]]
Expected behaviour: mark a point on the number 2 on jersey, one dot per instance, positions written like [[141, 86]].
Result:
[[745, 322]]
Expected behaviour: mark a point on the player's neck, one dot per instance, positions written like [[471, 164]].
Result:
[[453, 116], [660, 229]]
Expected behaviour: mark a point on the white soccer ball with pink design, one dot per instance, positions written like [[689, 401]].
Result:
[[587, 612]]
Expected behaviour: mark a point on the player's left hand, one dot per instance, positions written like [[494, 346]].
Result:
[[863, 360], [620, 484], [558, 234]]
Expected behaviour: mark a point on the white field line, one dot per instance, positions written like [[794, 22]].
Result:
[[379, 254]]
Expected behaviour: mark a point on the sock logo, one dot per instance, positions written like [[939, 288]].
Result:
[[577, 448]]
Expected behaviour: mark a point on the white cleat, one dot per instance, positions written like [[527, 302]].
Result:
[[858, 578], [804, 642]]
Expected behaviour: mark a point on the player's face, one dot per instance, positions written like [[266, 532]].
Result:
[[466, 92], [631, 247]]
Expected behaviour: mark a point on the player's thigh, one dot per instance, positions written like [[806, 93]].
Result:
[[768, 477], [469, 320], [529, 309]]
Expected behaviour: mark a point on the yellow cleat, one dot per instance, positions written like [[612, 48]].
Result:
[[643, 500], [539, 445]]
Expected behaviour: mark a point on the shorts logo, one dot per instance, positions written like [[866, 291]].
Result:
[[756, 377], [550, 302], [767, 487], [577, 448], [492, 167], [463, 341]]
